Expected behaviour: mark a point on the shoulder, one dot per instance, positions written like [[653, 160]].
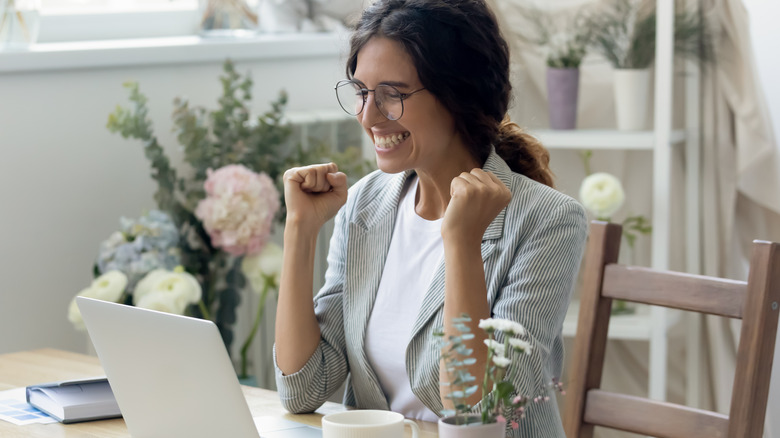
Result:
[[534, 204]]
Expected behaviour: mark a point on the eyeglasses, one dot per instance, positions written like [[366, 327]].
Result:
[[390, 102]]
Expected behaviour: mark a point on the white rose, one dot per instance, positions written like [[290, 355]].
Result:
[[74, 314], [108, 287], [167, 291], [148, 283], [265, 264], [162, 302], [602, 194]]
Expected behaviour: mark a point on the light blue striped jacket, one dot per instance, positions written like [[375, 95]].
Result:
[[531, 253]]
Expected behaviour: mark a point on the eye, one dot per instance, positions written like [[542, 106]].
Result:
[[391, 93]]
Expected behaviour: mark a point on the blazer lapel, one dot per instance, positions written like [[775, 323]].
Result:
[[369, 241]]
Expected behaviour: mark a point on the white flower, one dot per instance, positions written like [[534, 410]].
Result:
[[267, 264], [108, 287], [501, 361], [167, 291], [520, 345], [496, 346], [602, 194], [504, 325]]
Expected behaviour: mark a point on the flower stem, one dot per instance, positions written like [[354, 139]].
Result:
[[485, 380], [258, 318], [204, 310]]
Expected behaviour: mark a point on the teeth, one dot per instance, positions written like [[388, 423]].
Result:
[[391, 140]]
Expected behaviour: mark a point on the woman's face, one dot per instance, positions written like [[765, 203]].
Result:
[[424, 138]]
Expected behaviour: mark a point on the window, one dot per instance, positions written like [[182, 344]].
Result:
[[81, 20]]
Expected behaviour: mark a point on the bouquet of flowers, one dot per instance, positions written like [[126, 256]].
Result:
[[499, 396], [211, 229]]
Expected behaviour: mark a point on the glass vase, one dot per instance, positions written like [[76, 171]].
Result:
[[19, 23], [228, 18]]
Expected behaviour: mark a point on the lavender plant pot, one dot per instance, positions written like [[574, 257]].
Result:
[[562, 93], [472, 429]]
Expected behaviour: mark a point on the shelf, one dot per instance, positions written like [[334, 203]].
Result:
[[601, 139], [169, 51], [636, 327]]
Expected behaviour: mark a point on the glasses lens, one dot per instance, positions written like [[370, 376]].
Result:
[[350, 97], [389, 102]]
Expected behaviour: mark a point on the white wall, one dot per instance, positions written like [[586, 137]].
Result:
[[65, 180]]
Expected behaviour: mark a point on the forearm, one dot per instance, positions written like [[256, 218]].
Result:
[[297, 329], [465, 292]]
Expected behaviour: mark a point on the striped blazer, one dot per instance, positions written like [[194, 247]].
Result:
[[531, 253]]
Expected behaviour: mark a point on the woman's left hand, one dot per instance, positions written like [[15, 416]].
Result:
[[476, 199]]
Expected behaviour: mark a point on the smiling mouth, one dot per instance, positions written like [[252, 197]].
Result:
[[387, 142]]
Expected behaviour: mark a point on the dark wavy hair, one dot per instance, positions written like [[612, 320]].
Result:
[[463, 60]]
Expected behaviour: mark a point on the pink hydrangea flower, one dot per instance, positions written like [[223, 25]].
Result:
[[239, 209]]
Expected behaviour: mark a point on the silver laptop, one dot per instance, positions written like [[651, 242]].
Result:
[[172, 376]]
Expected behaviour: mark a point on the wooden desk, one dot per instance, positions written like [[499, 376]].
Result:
[[31, 367]]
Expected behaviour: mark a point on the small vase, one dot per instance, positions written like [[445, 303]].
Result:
[[228, 18], [472, 428], [19, 23], [248, 381], [632, 95], [562, 95]]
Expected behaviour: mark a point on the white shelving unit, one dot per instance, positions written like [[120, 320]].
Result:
[[652, 324]]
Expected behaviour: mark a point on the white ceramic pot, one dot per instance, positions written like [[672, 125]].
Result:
[[632, 98], [472, 429]]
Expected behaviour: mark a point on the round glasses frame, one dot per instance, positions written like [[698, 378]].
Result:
[[394, 96]]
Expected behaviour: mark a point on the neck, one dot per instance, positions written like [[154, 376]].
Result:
[[433, 189]]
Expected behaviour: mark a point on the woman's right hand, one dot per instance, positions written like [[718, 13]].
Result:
[[314, 194]]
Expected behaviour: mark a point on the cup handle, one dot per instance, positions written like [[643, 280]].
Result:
[[415, 428]]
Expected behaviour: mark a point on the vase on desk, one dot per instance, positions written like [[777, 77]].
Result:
[[19, 23], [472, 427]]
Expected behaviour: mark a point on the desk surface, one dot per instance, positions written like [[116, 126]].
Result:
[[31, 367]]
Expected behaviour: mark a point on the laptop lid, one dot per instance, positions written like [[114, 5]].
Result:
[[171, 374]]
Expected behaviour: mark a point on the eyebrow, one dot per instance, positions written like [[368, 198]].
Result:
[[397, 84]]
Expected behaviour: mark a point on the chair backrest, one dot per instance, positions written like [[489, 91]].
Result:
[[755, 302]]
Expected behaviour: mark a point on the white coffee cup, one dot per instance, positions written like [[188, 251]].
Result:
[[366, 423]]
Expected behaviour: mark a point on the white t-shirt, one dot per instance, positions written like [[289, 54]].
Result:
[[416, 249]]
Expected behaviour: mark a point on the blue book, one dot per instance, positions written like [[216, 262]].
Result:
[[72, 401]]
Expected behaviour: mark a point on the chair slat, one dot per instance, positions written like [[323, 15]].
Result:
[[650, 417], [697, 293], [756, 343], [592, 325]]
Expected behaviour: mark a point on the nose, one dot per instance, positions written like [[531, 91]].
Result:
[[371, 115]]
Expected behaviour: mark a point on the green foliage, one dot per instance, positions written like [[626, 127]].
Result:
[[625, 33], [211, 139], [564, 36]]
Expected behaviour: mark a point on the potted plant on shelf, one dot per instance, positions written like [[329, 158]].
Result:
[[499, 398], [625, 34], [565, 38]]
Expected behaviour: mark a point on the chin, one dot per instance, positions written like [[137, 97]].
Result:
[[389, 166]]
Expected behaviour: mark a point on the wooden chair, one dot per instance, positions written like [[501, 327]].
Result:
[[755, 302]]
